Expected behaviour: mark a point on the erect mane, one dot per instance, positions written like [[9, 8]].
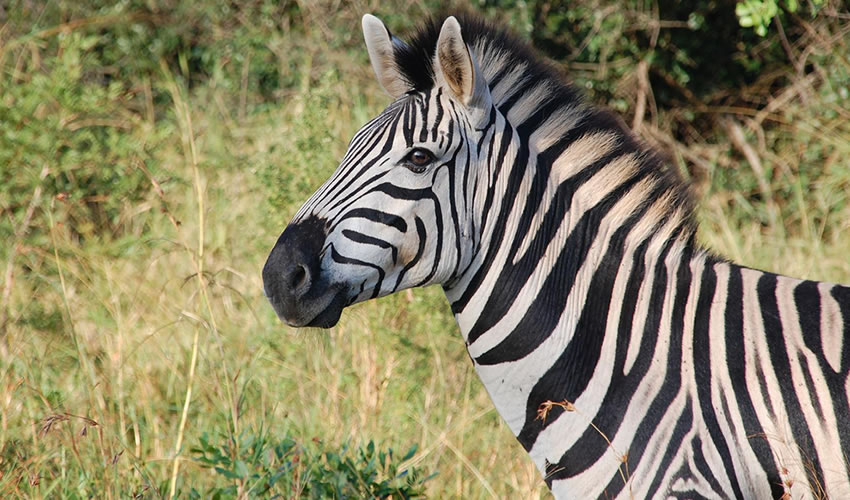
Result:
[[496, 51], [524, 84]]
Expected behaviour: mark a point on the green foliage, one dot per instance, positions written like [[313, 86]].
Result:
[[293, 169], [85, 110], [258, 466], [71, 131], [698, 53], [758, 14]]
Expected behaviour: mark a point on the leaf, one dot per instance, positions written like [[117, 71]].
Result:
[[226, 473], [412, 451], [241, 469]]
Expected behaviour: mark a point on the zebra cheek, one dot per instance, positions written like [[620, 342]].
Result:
[[406, 254]]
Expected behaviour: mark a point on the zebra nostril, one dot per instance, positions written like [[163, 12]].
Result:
[[300, 278]]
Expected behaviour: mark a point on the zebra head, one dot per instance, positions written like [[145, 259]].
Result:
[[395, 214]]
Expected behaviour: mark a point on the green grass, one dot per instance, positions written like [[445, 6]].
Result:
[[115, 283]]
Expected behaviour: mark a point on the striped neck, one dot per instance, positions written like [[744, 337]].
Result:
[[541, 294]]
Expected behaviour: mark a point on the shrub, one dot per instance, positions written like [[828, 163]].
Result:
[[70, 131], [258, 465]]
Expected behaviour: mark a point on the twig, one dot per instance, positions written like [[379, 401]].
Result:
[[243, 89], [77, 24], [543, 412], [785, 45], [156, 186], [777, 103], [642, 72], [671, 143], [736, 136]]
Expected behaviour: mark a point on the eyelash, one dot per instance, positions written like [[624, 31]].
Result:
[[414, 167]]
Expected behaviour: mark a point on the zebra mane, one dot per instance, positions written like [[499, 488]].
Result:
[[495, 49], [520, 78]]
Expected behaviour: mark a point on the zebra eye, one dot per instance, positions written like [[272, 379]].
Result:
[[418, 159]]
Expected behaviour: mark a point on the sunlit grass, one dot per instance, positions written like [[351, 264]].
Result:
[[394, 371]]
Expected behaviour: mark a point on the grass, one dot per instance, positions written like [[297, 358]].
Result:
[[136, 325], [122, 351]]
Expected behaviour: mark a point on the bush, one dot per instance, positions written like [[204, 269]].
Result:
[[696, 50], [70, 131], [85, 109], [260, 466]]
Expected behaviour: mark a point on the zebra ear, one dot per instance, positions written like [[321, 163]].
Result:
[[456, 66], [379, 43]]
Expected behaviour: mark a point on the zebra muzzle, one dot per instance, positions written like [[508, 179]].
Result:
[[293, 281]]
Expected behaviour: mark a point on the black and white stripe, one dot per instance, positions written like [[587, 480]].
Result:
[[627, 360]]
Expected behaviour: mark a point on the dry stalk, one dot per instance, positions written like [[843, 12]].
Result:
[[736, 136], [184, 116], [547, 406], [22, 229], [187, 131], [159, 192], [442, 440], [49, 421], [642, 72], [813, 478], [72, 328]]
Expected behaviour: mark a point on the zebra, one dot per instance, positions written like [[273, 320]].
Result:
[[627, 360]]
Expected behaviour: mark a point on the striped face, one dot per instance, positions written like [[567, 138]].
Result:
[[396, 213]]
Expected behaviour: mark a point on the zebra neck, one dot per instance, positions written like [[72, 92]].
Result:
[[535, 307]]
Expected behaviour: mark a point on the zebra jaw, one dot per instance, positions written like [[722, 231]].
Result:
[[293, 282]]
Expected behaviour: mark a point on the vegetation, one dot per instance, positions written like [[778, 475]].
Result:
[[152, 150], [264, 467]]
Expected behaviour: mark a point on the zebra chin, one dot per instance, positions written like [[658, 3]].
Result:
[[293, 282], [324, 313]]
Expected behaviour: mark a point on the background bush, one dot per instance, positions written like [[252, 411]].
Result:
[[152, 150]]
